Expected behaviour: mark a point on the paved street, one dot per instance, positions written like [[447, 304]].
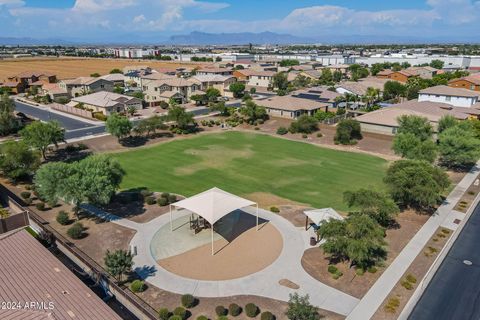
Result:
[[454, 291]]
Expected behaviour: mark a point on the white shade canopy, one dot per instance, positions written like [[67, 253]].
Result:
[[319, 215], [213, 204]]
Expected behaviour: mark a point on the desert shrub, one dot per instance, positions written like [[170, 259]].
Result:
[[188, 300], [256, 128], [222, 318], [137, 286], [163, 314], [304, 136], [392, 305], [359, 271], [319, 135], [267, 315], [28, 201], [150, 200], [372, 269], [471, 193], [175, 317], [165, 195], [221, 311], [146, 193], [75, 231], [162, 202], [25, 194], [332, 269], [407, 285], [274, 209], [180, 312], [445, 231], [282, 131], [411, 278], [4, 213], [172, 198], [100, 116], [202, 318], [28, 187], [40, 206], [337, 275], [63, 218], [251, 310], [234, 309]]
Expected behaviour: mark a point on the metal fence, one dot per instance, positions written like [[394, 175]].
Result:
[[121, 293]]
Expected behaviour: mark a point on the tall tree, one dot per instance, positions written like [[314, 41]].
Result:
[[446, 122], [358, 238], [280, 81], [420, 127], [377, 205], [8, 123], [348, 132], [17, 160], [212, 94], [183, 119], [300, 308], [238, 89], [253, 112], [459, 146], [118, 126], [408, 146], [40, 135], [118, 263], [393, 90], [416, 183]]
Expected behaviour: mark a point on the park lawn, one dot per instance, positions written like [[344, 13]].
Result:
[[245, 163]]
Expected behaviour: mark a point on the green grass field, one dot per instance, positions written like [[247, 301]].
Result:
[[244, 163]]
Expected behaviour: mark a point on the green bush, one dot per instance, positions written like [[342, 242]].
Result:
[[165, 195], [163, 314], [162, 202], [411, 278], [372, 269], [332, 269], [172, 198], [188, 300], [146, 193], [100, 116], [234, 309], [202, 318], [359, 271], [181, 312], [175, 317], [28, 201], [282, 131], [319, 135], [137, 286], [256, 128], [274, 209], [150, 200], [251, 310], [25, 194], [40, 206], [304, 136], [392, 305], [221, 311], [222, 318], [267, 315], [75, 231], [63, 218], [337, 275], [407, 285]]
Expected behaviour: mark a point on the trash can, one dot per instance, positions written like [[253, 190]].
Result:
[[313, 241]]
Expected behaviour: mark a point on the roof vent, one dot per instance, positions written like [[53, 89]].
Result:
[[65, 292]]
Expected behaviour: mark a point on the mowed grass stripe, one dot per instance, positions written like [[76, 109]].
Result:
[[244, 163]]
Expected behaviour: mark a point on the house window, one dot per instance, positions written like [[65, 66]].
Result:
[[102, 86], [472, 87], [448, 98]]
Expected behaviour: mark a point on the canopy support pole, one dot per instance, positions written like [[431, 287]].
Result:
[[171, 225], [257, 216], [212, 240]]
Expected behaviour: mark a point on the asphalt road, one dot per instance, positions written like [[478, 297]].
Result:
[[454, 292]]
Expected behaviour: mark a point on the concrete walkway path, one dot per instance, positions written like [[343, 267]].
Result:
[[263, 283], [442, 217]]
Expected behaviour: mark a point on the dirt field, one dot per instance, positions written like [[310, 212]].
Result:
[[75, 67], [316, 263], [231, 260], [417, 269]]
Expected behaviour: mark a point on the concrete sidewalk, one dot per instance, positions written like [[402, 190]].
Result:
[[443, 216]]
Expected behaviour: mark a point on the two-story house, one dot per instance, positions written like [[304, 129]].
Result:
[[456, 97], [85, 85], [179, 89]]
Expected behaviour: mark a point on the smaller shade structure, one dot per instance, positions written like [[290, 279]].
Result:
[[212, 205], [317, 216]]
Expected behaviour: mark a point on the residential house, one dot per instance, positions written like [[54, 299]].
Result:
[[179, 89], [385, 120], [221, 83], [118, 79], [41, 286], [85, 85], [15, 87], [457, 97], [360, 87], [471, 82], [404, 75], [214, 71], [319, 94], [54, 91], [291, 107], [106, 102], [256, 79], [27, 79]]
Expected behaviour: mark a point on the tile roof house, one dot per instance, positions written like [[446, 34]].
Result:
[[162, 90], [84, 85], [22, 81], [219, 82], [255, 78], [457, 97], [291, 107], [384, 121], [106, 102], [32, 276], [471, 82]]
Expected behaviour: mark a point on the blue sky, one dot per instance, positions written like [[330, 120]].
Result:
[[114, 20]]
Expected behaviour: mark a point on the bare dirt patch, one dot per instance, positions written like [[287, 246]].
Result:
[[266, 200], [76, 67], [315, 262], [417, 269], [231, 260]]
